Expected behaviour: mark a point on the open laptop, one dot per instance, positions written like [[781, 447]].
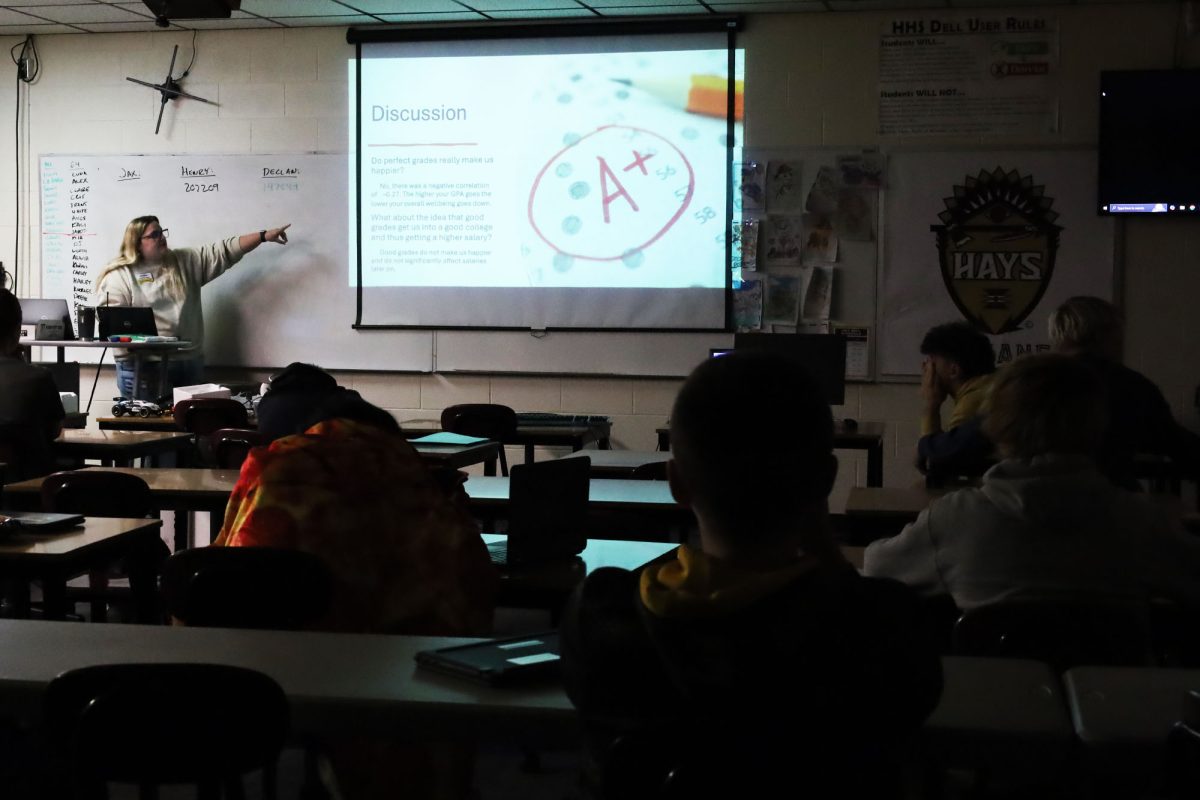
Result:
[[35, 309], [126, 321], [547, 502]]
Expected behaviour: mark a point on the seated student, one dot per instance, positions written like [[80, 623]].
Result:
[[290, 398], [31, 412], [958, 364], [1140, 420], [350, 489], [765, 622], [1045, 518]]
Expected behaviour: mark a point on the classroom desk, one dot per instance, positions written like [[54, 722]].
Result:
[[1123, 714], [547, 585], [867, 436], [621, 495], [370, 685], [55, 558], [139, 352], [529, 435], [619, 463], [119, 448]]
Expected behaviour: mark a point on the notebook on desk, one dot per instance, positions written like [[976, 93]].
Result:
[[499, 662], [37, 521], [547, 501]]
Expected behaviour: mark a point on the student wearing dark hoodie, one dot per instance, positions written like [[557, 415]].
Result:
[[704, 656], [1045, 518]]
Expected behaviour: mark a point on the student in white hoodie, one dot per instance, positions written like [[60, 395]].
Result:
[[1044, 518]]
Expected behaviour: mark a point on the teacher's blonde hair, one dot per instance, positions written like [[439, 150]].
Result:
[[130, 255]]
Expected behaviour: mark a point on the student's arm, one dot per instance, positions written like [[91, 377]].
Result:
[[963, 447], [909, 557]]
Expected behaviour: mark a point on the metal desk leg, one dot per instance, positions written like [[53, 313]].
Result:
[[875, 464], [529, 453], [182, 518], [137, 376]]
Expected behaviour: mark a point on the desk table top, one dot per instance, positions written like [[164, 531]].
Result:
[[90, 534]]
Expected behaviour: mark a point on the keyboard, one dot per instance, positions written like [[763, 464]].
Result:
[[544, 418]]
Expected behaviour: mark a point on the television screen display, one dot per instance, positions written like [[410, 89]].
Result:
[[823, 355], [1149, 160]]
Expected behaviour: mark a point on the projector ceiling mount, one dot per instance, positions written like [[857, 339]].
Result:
[[169, 89]]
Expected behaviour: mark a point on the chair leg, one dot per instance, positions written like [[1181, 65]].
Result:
[[503, 462], [98, 584]]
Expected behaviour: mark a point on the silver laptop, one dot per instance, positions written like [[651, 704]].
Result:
[[36, 309]]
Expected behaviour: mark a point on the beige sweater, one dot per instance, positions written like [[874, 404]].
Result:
[[175, 299]]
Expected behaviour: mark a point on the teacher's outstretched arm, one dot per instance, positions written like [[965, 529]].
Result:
[[249, 241]]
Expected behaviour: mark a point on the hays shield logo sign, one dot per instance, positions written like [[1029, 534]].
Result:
[[996, 248]]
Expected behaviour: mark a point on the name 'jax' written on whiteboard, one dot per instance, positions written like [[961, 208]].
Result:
[[279, 304]]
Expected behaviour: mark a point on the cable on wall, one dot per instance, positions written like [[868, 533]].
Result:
[[28, 67]]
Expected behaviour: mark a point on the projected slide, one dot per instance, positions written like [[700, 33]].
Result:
[[603, 169]]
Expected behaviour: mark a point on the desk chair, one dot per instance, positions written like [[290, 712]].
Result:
[[99, 493], [1183, 752], [231, 445], [153, 724], [203, 416], [653, 471], [1061, 629], [246, 587], [489, 420]]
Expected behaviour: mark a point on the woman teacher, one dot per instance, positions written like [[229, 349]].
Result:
[[147, 272]]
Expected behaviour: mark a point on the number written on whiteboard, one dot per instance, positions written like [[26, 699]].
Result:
[[201, 187]]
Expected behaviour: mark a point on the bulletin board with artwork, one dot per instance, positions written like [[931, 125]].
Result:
[[806, 242], [999, 238]]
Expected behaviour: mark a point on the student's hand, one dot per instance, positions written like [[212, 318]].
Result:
[[278, 235], [932, 391]]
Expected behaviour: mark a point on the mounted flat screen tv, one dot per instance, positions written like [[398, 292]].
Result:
[[1149, 159]]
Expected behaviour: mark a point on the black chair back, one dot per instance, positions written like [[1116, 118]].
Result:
[[96, 493], [1063, 630], [231, 446], [652, 471], [203, 415], [246, 587], [489, 420], [151, 724]]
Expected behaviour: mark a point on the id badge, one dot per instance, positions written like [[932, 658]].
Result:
[[144, 278]]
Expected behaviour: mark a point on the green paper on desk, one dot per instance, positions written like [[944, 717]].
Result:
[[448, 438]]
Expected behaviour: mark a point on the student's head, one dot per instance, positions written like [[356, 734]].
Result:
[[1047, 403], [752, 449], [10, 321], [348, 404], [291, 399], [958, 352], [1087, 325]]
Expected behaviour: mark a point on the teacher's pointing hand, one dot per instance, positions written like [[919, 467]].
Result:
[[278, 235]]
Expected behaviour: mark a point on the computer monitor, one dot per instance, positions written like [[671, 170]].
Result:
[[823, 355], [35, 309]]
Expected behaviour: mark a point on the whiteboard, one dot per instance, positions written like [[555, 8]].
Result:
[[279, 304]]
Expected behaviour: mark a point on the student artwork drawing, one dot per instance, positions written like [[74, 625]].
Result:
[[822, 197], [748, 306], [784, 241], [820, 240], [748, 244], [784, 193], [782, 303], [752, 191]]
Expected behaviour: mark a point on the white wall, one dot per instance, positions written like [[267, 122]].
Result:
[[811, 81]]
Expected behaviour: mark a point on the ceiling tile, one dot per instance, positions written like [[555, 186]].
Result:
[[93, 12], [543, 14], [884, 5], [10, 17], [457, 16], [405, 7], [330, 22], [35, 3], [663, 4], [21, 30], [121, 27], [136, 8], [294, 8], [237, 23], [632, 11], [768, 6], [525, 6]]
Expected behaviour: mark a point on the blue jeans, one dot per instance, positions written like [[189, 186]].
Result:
[[180, 372]]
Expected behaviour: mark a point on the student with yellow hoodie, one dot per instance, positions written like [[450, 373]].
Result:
[[694, 664]]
